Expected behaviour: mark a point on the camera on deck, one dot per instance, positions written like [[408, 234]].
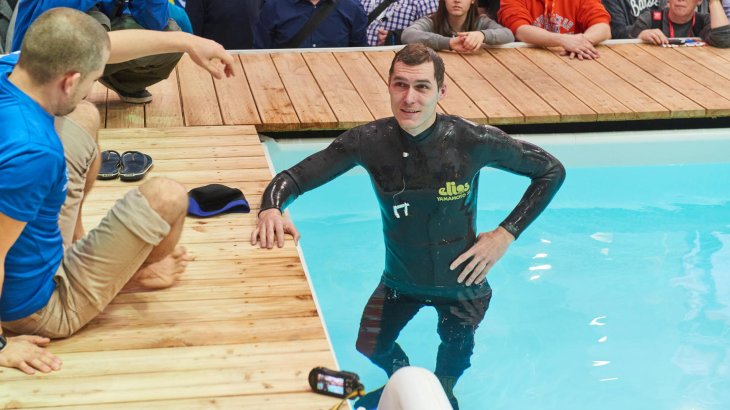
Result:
[[335, 383]]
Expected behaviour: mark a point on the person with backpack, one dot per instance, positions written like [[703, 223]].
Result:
[[681, 19]]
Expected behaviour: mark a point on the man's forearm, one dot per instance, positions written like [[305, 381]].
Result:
[[131, 44], [538, 36], [598, 33]]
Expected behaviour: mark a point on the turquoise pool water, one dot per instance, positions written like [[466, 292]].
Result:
[[618, 297]]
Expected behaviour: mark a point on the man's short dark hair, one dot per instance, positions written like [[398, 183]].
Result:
[[417, 54]]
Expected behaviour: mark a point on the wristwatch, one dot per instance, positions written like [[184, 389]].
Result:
[[3, 342]]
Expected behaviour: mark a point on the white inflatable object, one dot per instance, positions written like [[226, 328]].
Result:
[[413, 388]]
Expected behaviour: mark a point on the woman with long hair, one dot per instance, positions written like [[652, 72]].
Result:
[[456, 26]]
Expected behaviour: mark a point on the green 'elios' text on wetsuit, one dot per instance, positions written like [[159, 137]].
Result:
[[427, 188]]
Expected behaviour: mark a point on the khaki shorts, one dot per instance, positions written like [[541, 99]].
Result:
[[96, 267]]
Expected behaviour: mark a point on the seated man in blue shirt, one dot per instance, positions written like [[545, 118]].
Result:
[[50, 284], [129, 79], [281, 20]]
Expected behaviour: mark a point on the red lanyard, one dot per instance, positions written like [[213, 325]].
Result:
[[547, 14], [671, 26]]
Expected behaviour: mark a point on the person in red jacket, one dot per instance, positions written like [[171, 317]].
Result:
[[575, 25]]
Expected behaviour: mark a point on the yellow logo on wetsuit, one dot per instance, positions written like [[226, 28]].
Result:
[[452, 192]]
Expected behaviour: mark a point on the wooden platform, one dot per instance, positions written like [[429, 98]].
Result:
[[240, 331], [338, 90]]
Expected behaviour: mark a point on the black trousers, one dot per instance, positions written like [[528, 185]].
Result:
[[387, 313]]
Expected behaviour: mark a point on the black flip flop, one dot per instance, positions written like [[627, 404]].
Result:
[[135, 165], [111, 161]]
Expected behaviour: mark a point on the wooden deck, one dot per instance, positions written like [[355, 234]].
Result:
[[239, 331], [338, 90]]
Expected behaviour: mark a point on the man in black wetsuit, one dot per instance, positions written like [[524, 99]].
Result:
[[424, 169]]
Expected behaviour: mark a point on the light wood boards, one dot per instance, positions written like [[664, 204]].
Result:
[[240, 330], [342, 89]]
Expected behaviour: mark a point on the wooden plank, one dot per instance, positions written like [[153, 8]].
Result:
[[165, 110], [224, 289], [605, 106], [243, 152], [235, 98], [678, 105], [521, 96], [722, 52], [281, 401], [341, 95], [163, 312], [199, 100], [105, 363], [642, 106], [714, 103], [155, 133], [203, 177], [684, 64], [570, 108], [381, 60], [369, 85], [186, 143], [702, 56], [456, 102], [307, 98], [95, 337], [496, 108], [97, 96], [122, 115], [274, 106]]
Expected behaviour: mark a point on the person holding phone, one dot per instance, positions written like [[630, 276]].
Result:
[[681, 19]]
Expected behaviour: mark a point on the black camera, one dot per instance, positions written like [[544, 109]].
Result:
[[334, 383]]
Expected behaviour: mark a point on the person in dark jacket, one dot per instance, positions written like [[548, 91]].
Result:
[[624, 13], [680, 19]]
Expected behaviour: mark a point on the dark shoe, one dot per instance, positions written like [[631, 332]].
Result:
[[111, 162], [136, 97], [135, 166], [369, 401]]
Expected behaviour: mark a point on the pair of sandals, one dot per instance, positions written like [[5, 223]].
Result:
[[128, 166]]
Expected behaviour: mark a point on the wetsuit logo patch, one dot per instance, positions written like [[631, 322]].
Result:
[[452, 192]]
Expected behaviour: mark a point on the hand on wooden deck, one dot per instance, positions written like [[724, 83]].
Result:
[[211, 56], [271, 227], [654, 36], [27, 354], [578, 46]]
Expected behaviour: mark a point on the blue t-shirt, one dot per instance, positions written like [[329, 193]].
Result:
[[150, 14], [32, 189]]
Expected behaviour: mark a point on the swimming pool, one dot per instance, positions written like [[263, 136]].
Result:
[[618, 297]]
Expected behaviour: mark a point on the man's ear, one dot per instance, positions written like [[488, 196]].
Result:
[[442, 91], [70, 81]]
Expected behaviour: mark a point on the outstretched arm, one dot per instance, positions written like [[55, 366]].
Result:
[[131, 44], [285, 187]]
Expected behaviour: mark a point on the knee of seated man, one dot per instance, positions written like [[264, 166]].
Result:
[[87, 116], [167, 197]]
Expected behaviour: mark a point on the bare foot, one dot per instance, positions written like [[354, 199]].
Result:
[[161, 274]]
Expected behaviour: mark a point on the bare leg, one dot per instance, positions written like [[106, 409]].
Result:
[[167, 261]]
